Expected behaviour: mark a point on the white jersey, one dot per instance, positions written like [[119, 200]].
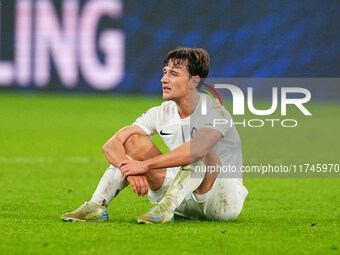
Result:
[[174, 131]]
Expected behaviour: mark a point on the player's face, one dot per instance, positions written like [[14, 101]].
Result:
[[176, 81]]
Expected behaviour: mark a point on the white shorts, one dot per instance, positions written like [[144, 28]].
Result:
[[223, 202]]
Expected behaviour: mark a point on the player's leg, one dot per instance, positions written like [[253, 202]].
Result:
[[185, 182], [191, 181], [218, 198], [141, 148], [137, 147], [226, 200], [112, 182], [212, 159], [190, 178]]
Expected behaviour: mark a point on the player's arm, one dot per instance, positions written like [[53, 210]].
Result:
[[114, 148], [204, 140]]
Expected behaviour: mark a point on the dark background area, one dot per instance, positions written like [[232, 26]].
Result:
[[244, 39]]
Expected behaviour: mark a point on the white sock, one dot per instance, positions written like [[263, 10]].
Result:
[[186, 181], [109, 186], [201, 198]]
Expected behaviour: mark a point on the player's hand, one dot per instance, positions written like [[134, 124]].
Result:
[[139, 184], [132, 167]]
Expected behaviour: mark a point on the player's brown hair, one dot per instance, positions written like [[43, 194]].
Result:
[[196, 60]]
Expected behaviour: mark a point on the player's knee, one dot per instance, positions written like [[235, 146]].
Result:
[[134, 145], [134, 140], [230, 216], [140, 147], [228, 213]]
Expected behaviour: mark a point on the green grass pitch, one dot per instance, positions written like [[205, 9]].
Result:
[[51, 161]]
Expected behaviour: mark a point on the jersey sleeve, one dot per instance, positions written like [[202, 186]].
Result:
[[217, 118], [148, 121]]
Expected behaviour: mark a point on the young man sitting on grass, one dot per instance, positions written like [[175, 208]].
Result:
[[175, 180]]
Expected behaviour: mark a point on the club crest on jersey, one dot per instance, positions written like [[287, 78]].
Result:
[[193, 131]]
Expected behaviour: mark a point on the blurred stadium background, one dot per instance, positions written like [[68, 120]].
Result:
[[116, 46], [73, 72]]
